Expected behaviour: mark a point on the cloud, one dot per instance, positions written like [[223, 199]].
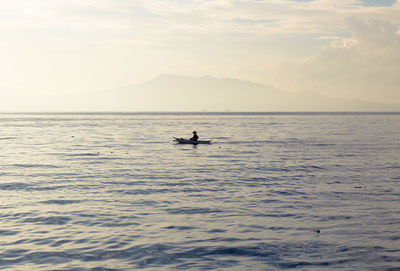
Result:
[[364, 66], [156, 18], [339, 47]]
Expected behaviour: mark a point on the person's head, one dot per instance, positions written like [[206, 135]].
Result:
[[194, 132]]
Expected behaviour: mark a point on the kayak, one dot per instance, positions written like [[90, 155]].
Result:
[[188, 141]]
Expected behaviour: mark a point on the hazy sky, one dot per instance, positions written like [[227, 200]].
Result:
[[344, 48]]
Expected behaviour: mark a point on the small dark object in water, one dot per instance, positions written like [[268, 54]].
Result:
[[357, 186], [315, 230]]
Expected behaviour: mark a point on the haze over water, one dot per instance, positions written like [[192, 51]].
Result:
[[273, 191]]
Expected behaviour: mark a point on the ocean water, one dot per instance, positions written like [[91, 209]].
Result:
[[272, 192]]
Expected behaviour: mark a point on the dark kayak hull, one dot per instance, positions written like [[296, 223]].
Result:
[[188, 141]]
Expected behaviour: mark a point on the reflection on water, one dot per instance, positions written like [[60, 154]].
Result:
[[273, 191]]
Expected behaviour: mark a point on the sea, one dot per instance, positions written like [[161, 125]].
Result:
[[273, 191]]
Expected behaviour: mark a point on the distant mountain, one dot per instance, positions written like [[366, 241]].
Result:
[[180, 93]]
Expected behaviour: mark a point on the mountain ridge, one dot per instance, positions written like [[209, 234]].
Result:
[[170, 92], [238, 95]]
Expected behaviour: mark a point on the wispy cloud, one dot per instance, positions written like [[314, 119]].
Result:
[[193, 17], [263, 40]]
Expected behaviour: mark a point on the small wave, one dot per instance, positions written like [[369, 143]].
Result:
[[15, 215], [322, 144], [179, 228], [216, 231], [345, 155], [48, 220], [47, 188], [337, 217], [141, 191], [7, 138], [223, 156], [60, 202], [287, 192], [33, 166], [310, 168], [60, 243], [119, 224], [192, 211], [22, 186], [276, 215], [300, 168], [83, 154], [267, 201], [13, 186], [8, 232], [144, 203], [263, 142]]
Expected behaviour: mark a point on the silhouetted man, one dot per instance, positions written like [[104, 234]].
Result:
[[195, 136]]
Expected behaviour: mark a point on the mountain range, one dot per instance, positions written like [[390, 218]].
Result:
[[180, 93]]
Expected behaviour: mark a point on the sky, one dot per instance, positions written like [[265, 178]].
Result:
[[341, 48]]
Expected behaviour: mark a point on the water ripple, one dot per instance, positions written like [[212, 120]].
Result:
[[48, 220], [274, 191]]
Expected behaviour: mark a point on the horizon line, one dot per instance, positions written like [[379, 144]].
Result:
[[196, 112]]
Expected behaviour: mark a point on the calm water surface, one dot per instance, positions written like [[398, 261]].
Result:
[[273, 191]]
